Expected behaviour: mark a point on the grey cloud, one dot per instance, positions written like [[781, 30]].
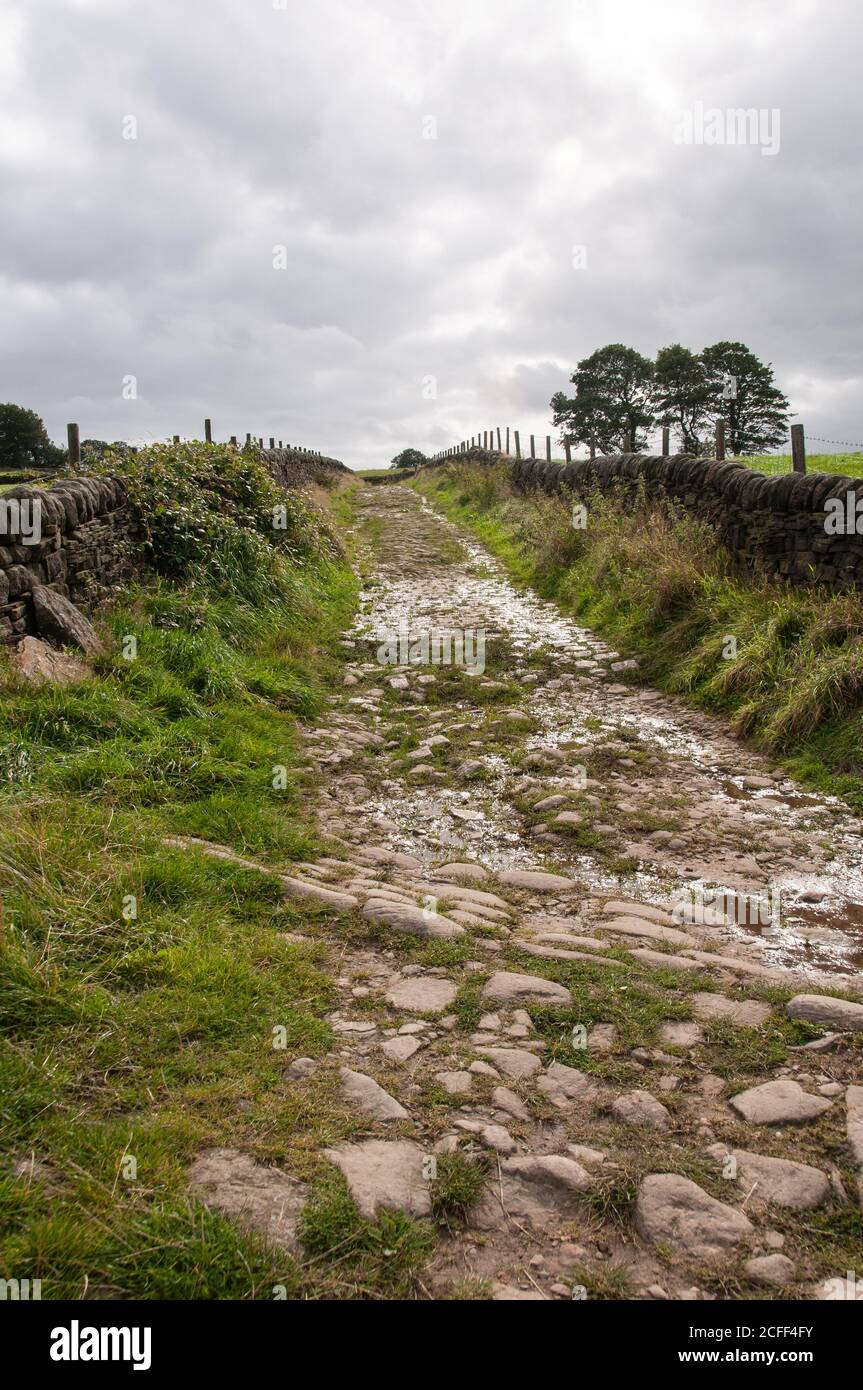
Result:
[[409, 258]]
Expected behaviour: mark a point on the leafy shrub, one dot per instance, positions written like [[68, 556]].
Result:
[[215, 515]]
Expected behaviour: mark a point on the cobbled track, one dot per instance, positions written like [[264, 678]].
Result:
[[524, 989]]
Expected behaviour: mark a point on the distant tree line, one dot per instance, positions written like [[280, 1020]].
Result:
[[620, 392]]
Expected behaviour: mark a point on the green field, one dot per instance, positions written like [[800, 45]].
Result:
[[849, 465]]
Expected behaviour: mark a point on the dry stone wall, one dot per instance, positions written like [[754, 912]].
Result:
[[87, 545], [780, 526], [88, 541]]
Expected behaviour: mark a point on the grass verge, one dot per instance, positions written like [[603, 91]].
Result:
[[785, 666]]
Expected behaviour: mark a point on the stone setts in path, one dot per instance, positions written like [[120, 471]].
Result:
[[506, 987], [415, 921], [821, 1008], [779, 1102], [422, 995], [674, 1211], [260, 1198], [467, 931], [384, 1174], [365, 1094], [543, 1191], [780, 1181], [747, 1013]]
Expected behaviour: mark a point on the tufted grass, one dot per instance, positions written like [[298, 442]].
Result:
[[140, 984], [656, 585]]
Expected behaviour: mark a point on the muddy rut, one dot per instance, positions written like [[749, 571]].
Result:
[[600, 1012]]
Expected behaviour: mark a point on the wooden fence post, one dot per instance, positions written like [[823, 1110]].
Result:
[[627, 444], [566, 448], [798, 449], [208, 432], [234, 440], [666, 440], [720, 439], [74, 442], [507, 439], [548, 448], [248, 438], [532, 447], [272, 442], [498, 439], [176, 439], [517, 445]]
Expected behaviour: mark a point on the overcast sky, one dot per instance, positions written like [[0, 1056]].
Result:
[[430, 169]]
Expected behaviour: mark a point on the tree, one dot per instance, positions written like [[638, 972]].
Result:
[[409, 458], [613, 397], [756, 415], [24, 441], [682, 394]]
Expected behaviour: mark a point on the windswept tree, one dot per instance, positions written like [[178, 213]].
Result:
[[682, 397], [613, 397], [24, 441], [409, 458], [741, 391]]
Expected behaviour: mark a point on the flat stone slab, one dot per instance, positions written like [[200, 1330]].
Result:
[[839, 1014], [663, 960], [506, 987], [455, 1083], [422, 994], [565, 1086], [641, 1109], [415, 921], [509, 1102], [384, 1174], [315, 892], [536, 881], [770, 1269], [779, 1102], [778, 1180], [400, 1049], [674, 1211], [257, 1197], [364, 1092], [457, 873], [648, 931], [40, 664], [679, 1034], [746, 1013], [514, 1062], [542, 1190], [646, 910]]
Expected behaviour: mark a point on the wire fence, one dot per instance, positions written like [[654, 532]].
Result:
[[499, 439]]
